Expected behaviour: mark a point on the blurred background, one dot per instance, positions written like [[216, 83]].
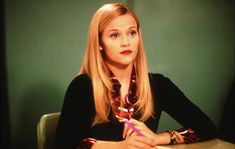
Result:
[[43, 42]]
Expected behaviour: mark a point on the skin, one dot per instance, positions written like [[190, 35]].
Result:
[[120, 42], [122, 35]]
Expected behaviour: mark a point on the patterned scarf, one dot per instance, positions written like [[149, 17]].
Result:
[[121, 112], [123, 108]]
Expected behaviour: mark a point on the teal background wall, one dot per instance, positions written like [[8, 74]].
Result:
[[190, 41]]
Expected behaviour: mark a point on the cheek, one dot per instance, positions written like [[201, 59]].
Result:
[[136, 44], [110, 46], [109, 50]]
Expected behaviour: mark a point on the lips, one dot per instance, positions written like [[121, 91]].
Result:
[[126, 52]]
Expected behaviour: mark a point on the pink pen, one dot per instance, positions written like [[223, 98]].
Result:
[[130, 125]]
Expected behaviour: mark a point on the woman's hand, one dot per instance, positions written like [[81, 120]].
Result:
[[149, 140], [133, 140]]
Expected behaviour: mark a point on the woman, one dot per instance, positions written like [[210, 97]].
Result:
[[115, 102]]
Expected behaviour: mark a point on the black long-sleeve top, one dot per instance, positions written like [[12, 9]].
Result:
[[78, 112]]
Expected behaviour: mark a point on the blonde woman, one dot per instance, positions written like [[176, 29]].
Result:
[[115, 102]]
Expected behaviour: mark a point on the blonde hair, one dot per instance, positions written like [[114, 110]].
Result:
[[95, 67]]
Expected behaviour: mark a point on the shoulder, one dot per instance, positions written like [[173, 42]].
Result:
[[161, 83], [81, 83], [79, 88], [81, 80], [157, 78]]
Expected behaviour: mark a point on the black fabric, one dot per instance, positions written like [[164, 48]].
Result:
[[4, 122], [226, 130], [78, 111]]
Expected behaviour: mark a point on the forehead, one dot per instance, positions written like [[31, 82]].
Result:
[[123, 21]]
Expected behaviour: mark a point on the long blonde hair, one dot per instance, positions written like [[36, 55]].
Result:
[[95, 67]]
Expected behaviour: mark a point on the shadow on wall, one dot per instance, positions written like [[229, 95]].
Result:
[[39, 99]]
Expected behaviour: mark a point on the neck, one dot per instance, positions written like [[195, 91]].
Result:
[[123, 75]]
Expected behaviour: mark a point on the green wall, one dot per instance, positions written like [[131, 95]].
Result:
[[190, 41]]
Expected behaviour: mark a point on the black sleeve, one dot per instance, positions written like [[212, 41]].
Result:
[[179, 107], [77, 111], [226, 130]]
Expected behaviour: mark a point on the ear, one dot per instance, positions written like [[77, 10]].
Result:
[[101, 49], [101, 46]]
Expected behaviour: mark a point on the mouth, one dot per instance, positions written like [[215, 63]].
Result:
[[126, 52]]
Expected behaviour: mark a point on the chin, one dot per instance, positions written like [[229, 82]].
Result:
[[126, 62], [124, 65], [122, 62]]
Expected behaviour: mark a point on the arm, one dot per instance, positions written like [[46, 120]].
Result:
[[176, 104], [149, 136], [132, 141], [77, 111], [74, 125]]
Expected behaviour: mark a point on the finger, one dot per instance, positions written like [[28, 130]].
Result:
[[135, 122], [144, 129], [129, 132], [133, 127], [140, 142], [140, 145], [147, 140], [155, 147], [124, 131], [149, 137]]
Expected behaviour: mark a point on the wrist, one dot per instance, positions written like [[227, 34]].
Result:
[[175, 137], [109, 144], [172, 137], [156, 139], [162, 138]]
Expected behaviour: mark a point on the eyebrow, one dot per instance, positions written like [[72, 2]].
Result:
[[114, 29]]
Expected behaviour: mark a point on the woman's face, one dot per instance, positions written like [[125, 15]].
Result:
[[120, 41]]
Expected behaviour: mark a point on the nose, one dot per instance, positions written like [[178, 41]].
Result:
[[125, 41]]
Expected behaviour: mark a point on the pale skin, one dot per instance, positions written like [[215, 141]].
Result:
[[120, 42]]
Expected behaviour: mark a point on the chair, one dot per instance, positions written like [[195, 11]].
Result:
[[46, 129]]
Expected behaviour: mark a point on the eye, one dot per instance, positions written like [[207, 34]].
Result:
[[114, 35], [132, 33]]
